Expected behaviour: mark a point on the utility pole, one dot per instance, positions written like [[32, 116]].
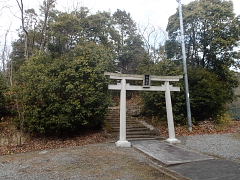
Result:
[[189, 117]]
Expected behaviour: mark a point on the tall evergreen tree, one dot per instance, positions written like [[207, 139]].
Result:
[[212, 32]]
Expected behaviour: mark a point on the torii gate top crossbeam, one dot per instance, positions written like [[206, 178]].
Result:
[[141, 77], [140, 88]]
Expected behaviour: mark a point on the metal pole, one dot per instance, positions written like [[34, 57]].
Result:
[[185, 67]]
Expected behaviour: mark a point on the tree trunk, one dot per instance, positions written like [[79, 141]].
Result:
[[20, 5]]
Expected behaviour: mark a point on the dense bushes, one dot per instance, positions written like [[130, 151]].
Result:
[[208, 94], [3, 88], [64, 94]]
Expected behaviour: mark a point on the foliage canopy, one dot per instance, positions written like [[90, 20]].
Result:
[[212, 31], [61, 86], [67, 93]]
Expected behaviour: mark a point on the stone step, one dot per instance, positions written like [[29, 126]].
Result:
[[110, 118], [117, 122], [140, 136], [145, 138], [135, 130], [140, 133], [137, 133], [131, 129], [129, 124], [135, 136], [116, 134], [117, 117], [129, 108], [112, 114]]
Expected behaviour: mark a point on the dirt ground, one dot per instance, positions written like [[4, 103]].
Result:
[[41, 143], [90, 162]]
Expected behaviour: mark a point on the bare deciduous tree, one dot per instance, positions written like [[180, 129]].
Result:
[[5, 50], [47, 5], [21, 8], [153, 38]]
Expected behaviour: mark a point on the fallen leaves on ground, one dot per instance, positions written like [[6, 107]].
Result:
[[205, 127], [36, 144]]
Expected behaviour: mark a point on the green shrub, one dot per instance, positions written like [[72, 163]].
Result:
[[208, 94], [64, 94]]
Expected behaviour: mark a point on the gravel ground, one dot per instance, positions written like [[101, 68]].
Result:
[[91, 162], [220, 145]]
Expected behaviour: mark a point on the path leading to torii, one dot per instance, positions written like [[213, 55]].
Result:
[[187, 163]]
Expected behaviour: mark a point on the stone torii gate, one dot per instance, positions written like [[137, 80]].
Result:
[[123, 87]]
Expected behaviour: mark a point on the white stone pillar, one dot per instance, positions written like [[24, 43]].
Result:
[[171, 130], [122, 131]]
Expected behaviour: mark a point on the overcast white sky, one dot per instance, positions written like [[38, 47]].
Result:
[[156, 12]]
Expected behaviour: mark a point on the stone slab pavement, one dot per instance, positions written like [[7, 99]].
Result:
[[91, 162], [216, 169], [220, 160], [168, 154]]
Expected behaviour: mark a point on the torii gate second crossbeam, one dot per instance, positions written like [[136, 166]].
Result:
[[123, 87]]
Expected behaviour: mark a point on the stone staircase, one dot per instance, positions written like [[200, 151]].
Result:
[[135, 129]]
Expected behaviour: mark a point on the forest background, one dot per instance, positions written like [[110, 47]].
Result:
[[52, 80]]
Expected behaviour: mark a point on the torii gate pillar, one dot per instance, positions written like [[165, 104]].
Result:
[[122, 135], [171, 130]]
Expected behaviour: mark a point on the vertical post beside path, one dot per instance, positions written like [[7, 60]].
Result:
[[189, 116]]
